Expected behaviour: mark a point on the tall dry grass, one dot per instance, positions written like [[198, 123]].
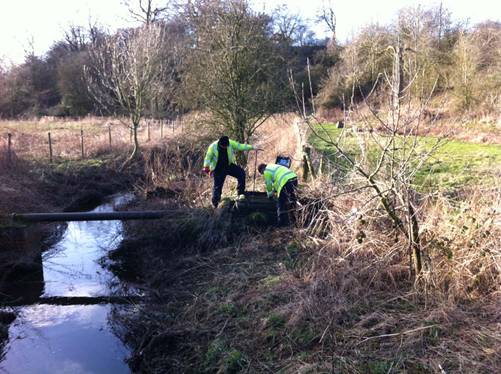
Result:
[[354, 283]]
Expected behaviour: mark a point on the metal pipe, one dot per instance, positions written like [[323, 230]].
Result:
[[89, 216]]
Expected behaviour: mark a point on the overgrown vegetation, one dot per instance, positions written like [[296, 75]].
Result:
[[394, 265]]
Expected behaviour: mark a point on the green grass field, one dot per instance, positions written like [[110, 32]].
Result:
[[454, 164]]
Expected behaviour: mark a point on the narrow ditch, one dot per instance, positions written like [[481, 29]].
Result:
[[64, 324]]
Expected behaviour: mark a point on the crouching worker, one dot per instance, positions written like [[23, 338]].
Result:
[[282, 182], [220, 161]]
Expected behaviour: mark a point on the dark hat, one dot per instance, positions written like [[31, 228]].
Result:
[[224, 141]]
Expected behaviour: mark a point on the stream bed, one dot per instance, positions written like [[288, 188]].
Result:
[[72, 338]]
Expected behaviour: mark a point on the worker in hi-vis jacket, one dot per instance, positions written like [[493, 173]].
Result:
[[281, 182], [220, 161]]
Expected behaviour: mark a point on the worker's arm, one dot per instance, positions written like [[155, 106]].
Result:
[[240, 147], [269, 183], [209, 158]]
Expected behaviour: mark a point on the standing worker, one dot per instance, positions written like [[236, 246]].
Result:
[[220, 161], [282, 182]]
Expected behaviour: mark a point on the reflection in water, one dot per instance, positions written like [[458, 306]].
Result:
[[71, 267], [72, 339], [63, 339]]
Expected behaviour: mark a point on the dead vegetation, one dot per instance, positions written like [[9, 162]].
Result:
[[332, 295]]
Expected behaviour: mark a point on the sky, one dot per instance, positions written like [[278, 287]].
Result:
[[38, 23]]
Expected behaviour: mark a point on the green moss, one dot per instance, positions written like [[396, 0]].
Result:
[[214, 352], [291, 261], [379, 367], [234, 362], [228, 309], [79, 164], [276, 321], [270, 280], [256, 218], [223, 359], [304, 336]]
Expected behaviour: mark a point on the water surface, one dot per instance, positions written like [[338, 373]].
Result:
[[78, 338]]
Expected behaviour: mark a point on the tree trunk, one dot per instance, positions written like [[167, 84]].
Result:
[[135, 151], [415, 239]]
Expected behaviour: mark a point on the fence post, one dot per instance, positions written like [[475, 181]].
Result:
[[148, 129], [161, 129], [109, 135], [82, 143], [172, 121], [9, 148], [307, 166], [50, 148]]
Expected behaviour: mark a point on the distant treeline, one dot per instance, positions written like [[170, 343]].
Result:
[[438, 53]]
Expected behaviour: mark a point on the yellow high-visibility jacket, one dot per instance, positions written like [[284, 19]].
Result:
[[212, 154], [275, 177]]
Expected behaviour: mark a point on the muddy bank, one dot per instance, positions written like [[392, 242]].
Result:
[[199, 272]]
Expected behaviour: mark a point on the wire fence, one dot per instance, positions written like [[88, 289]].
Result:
[[60, 140]]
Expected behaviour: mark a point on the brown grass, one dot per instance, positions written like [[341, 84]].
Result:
[[30, 138], [332, 295], [357, 287]]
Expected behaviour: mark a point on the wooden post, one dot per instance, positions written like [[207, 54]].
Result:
[[311, 86], [304, 105], [82, 144], [109, 135], [161, 129], [50, 148], [307, 167], [9, 148], [148, 130], [172, 121]]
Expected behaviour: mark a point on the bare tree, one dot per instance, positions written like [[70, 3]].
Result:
[[232, 70], [130, 69], [147, 11], [328, 17], [391, 152]]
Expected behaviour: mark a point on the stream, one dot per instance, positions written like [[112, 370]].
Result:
[[73, 339]]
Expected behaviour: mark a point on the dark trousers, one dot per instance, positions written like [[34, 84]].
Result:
[[286, 203], [219, 178]]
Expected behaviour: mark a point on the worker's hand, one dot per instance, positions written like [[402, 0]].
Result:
[[206, 170]]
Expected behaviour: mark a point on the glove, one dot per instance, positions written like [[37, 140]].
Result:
[[206, 170]]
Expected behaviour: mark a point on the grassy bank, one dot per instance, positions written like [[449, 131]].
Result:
[[455, 164]]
